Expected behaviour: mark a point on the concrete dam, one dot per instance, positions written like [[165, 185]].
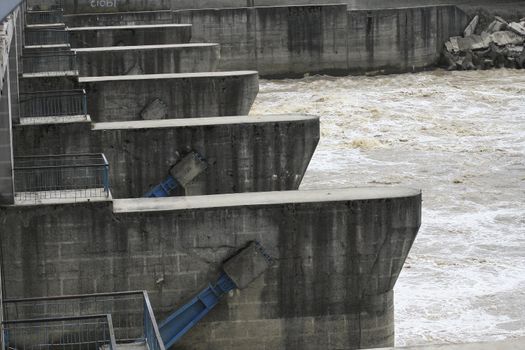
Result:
[[142, 207]]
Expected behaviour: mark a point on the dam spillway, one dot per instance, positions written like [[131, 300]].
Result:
[[338, 252]]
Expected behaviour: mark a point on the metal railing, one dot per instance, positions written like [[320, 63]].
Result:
[[39, 5], [39, 37], [151, 329], [93, 332], [45, 17], [132, 315], [59, 61], [53, 104], [61, 177]]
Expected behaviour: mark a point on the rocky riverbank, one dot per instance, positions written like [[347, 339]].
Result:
[[498, 45]]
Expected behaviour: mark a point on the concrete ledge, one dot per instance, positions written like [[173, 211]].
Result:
[[148, 59], [130, 35], [245, 154], [511, 344], [167, 96], [259, 199], [190, 122]]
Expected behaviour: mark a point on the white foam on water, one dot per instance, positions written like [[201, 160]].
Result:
[[460, 136]]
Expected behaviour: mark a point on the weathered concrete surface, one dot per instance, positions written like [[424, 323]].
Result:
[[129, 35], [294, 40], [400, 40], [244, 154], [511, 344], [149, 59], [186, 95], [283, 40], [119, 19], [87, 6], [338, 254], [75, 6]]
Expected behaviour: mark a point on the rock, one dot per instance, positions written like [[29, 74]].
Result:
[[499, 19], [520, 61], [451, 61], [506, 37], [156, 110], [471, 28], [496, 26], [515, 51], [452, 44], [467, 63], [517, 28], [472, 42]]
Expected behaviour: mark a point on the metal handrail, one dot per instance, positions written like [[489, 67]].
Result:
[[56, 176], [58, 92], [51, 319], [59, 61], [70, 297], [151, 332], [150, 321], [53, 103], [48, 321]]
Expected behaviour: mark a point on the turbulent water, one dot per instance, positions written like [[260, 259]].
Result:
[[459, 136]]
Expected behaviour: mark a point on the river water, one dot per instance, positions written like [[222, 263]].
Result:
[[459, 136]]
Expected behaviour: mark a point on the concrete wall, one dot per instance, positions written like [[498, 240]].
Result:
[[121, 60], [245, 154], [76, 6], [169, 96], [338, 254], [85, 6], [119, 19], [129, 35], [400, 40], [294, 40]]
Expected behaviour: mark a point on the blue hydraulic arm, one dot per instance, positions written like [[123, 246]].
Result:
[[179, 323], [164, 189]]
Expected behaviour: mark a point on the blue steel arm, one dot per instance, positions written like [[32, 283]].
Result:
[[164, 189], [180, 322]]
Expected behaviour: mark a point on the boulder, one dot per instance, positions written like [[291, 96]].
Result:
[[496, 26], [452, 44], [471, 28], [517, 28], [506, 37]]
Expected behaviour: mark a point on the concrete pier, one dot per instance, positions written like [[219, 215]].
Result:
[[167, 96], [148, 59], [172, 247], [245, 154], [129, 35]]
